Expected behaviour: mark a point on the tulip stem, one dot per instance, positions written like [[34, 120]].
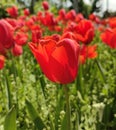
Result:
[[68, 114]]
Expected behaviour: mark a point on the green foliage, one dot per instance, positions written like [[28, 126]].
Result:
[[10, 120], [3, 13], [95, 7], [92, 97], [34, 116]]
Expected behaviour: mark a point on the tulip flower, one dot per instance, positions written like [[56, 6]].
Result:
[[21, 38], [109, 37], [12, 11], [87, 52], [26, 12], [71, 15], [58, 60], [2, 61], [85, 31], [6, 34], [45, 5], [112, 22], [17, 50]]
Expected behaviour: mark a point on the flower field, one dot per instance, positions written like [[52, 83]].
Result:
[[57, 70]]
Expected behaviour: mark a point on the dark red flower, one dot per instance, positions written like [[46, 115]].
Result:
[[26, 12], [58, 60], [6, 34], [36, 35], [17, 50], [45, 5]]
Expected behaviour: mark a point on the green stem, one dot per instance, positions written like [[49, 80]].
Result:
[[101, 70], [8, 93], [68, 114]]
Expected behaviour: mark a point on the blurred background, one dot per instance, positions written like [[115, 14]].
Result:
[[103, 8]]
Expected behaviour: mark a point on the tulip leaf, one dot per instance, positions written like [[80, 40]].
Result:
[[34, 116], [64, 123], [10, 120]]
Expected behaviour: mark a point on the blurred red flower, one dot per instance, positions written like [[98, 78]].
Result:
[[94, 18], [58, 60], [21, 38], [62, 14], [71, 15], [45, 5], [26, 12], [109, 37], [6, 34], [84, 31], [112, 22], [13, 11], [17, 50], [2, 61], [36, 35], [87, 52], [79, 17]]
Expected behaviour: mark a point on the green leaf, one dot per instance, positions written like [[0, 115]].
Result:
[[64, 123], [34, 116], [10, 120]]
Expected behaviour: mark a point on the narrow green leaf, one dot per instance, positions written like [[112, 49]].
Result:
[[8, 92], [10, 120], [34, 116], [64, 123], [101, 70], [59, 106]]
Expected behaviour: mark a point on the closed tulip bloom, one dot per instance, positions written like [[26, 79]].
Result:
[[58, 60], [45, 5], [26, 12], [21, 38], [6, 34], [17, 50]]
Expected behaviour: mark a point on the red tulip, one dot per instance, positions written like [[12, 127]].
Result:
[[13, 11], [79, 17], [6, 34], [26, 12], [87, 52], [45, 5], [112, 22], [17, 50], [94, 18], [36, 35], [62, 14], [71, 15], [58, 60], [85, 31], [2, 61], [21, 38], [109, 37]]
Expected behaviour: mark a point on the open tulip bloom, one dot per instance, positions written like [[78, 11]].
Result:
[[58, 60]]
